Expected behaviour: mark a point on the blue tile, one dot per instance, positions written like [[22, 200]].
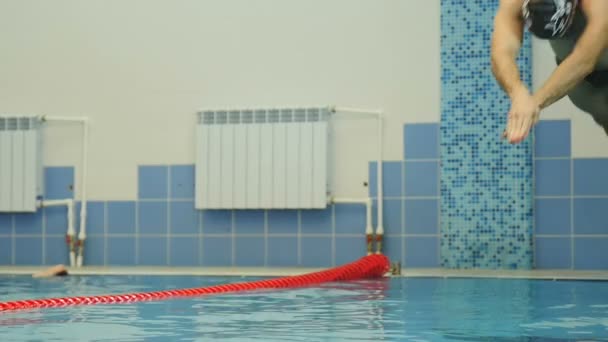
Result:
[[552, 177], [28, 251], [392, 173], [57, 220], [552, 216], [152, 251], [184, 218], [56, 251], [552, 139], [350, 218], [250, 251], [421, 178], [316, 251], [153, 217], [6, 223], [282, 251], [590, 177], [96, 217], [590, 215], [553, 253], [421, 217], [349, 249], [217, 251], [317, 221], [6, 250], [94, 251], [591, 254], [392, 248], [373, 179], [284, 221], [392, 210], [58, 182], [421, 252], [249, 221], [421, 141], [182, 181], [392, 179], [121, 251], [153, 182], [185, 251], [121, 217], [28, 223], [217, 221]]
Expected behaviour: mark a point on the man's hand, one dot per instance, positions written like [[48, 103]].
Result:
[[523, 115]]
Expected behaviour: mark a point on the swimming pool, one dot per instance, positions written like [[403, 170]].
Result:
[[392, 309]]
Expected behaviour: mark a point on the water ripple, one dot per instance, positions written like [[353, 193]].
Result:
[[416, 309]]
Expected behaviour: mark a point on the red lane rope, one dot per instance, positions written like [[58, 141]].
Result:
[[372, 266]]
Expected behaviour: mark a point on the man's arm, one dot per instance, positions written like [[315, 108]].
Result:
[[581, 62], [506, 42]]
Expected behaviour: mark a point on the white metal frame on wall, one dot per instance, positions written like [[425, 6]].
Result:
[[262, 159], [21, 179]]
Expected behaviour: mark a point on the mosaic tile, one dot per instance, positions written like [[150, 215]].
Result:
[[486, 183]]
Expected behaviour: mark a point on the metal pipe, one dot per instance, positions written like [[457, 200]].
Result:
[[82, 235], [83, 180], [375, 112], [380, 187], [347, 200], [64, 118], [70, 235], [379, 114], [369, 231], [56, 203]]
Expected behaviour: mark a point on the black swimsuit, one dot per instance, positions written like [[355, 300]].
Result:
[[597, 79]]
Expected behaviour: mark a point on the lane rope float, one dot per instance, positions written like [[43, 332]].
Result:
[[368, 267]]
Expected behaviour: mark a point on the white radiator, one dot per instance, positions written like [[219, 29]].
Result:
[[20, 163], [262, 159]]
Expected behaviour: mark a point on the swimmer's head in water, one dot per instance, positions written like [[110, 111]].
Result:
[[549, 19]]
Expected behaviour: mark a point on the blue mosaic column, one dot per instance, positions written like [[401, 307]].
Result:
[[486, 183]]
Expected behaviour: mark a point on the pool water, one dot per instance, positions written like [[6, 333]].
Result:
[[396, 309]]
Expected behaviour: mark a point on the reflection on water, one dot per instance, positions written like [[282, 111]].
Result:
[[397, 309]]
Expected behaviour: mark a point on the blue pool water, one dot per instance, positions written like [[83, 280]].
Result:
[[397, 309]]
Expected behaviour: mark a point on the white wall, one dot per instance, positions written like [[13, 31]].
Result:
[[140, 69], [588, 139]]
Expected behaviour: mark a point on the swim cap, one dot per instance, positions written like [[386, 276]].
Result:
[[549, 19]]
